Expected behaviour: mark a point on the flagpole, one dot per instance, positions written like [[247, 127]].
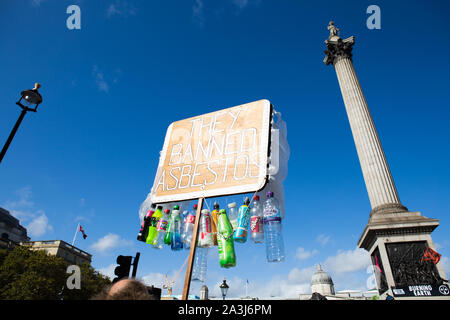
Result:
[[76, 232]]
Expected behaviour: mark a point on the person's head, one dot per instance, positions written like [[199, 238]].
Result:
[[127, 289]]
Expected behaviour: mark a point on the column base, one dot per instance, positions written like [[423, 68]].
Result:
[[396, 243], [388, 208]]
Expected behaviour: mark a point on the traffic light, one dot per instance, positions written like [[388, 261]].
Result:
[[123, 269]]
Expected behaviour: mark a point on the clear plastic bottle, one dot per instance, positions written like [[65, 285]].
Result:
[[272, 229], [200, 264], [188, 229], [177, 226], [256, 221], [205, 237], [233, 215], [161, 228]]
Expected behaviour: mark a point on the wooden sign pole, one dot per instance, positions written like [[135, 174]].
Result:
[[187, 279]]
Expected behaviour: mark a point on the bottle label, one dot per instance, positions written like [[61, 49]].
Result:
[[206, 225], [162, 225], [243, 217], [256, 224], [271, 219], [271, 212], [190, 219]]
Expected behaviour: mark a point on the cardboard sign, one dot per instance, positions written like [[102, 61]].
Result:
[[219, 153]]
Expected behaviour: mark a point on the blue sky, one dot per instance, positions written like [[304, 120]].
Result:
[[111, 89]]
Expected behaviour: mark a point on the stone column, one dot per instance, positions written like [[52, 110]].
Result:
[[377, 176], [391, 228]]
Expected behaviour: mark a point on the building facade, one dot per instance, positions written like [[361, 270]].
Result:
[[11, 232], [59, 248]]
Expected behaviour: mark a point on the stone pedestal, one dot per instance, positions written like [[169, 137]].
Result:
[[395, 238]]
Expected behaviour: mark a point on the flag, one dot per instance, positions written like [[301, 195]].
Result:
[[431, 255], [377, 264], [82, 231], [247, 281]]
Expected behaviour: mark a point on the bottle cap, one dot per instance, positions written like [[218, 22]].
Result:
[[176, 207], [269, 194], [255, 197], [167, 211], [159, 208], [195, 206], [232, 205], [222, 211], [205, 211], [216, 205], [247, 201], [153, 205]]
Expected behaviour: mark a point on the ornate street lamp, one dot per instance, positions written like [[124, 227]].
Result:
[[29, 101], [224, 288]]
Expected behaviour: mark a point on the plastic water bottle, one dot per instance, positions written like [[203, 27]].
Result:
[[272, 230], [200, 264], [233, 215], [205, 238], [188, 229], [214, 219], [177, 226], [256, 221], [142, 236], [240, 234], [161, 228], [152, 233], [227, 255], [168, 235]]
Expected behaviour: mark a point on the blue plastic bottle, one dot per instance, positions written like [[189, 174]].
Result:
[[240, 234], [176, 229]]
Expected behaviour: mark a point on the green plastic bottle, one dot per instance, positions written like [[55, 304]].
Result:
[[227, 255], [168, 235], [152, 232]]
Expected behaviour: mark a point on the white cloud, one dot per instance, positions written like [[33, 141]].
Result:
[[197, 12], [446, 266], [348, 261], [36, 3], [109, 242], [36, 222], [108, 271], [39, 226], [323, 239], [102, 85], [121, 8], [302, 254]]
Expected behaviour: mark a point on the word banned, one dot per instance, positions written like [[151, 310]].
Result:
[[218, 153]]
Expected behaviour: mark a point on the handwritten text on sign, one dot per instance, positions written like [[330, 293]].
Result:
[[218, 153]]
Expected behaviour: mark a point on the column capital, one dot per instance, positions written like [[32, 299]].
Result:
[[336, 46]]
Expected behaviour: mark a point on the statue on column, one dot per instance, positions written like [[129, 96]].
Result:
[[334, 31]]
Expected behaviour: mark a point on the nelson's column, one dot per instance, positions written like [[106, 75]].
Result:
[[406, 264]]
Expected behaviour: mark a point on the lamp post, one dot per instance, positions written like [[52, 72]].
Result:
[[224, 288], [29, 98]]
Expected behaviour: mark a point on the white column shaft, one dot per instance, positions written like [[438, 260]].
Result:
[[377, 176]]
